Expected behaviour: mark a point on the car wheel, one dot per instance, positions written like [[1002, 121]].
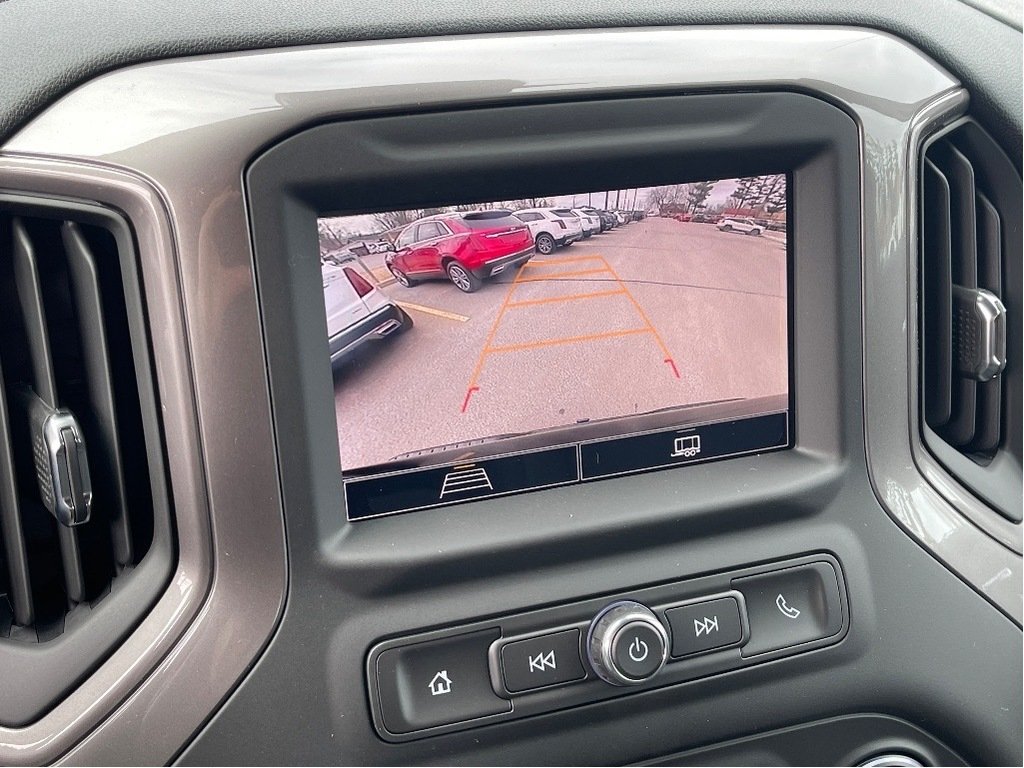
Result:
[[401, 277], [545, 243], [726, 228], [754, 232], [463, 279]]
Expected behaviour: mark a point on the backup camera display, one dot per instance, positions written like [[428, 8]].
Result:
[[487, 349]]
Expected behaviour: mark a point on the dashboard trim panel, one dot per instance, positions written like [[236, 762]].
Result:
[[179, 173]]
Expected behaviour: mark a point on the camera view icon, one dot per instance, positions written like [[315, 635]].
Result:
[[465, 479]]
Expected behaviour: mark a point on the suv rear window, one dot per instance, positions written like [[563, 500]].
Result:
[[565, 213], [491, 220]]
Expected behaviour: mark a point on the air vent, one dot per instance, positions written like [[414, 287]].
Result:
[[85, 539], [970, 302]]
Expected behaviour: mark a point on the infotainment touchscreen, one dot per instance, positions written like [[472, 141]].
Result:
[[506, 346]]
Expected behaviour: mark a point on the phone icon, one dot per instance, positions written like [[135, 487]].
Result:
[[784, 609]]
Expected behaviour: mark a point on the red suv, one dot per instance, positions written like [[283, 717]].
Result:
[[466, 248]]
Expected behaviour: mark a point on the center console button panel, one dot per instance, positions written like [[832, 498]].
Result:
[[481, 672]]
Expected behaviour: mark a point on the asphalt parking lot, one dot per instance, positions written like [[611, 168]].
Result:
[[653, 314]]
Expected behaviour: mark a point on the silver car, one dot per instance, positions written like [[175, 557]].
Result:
[[357, 312]]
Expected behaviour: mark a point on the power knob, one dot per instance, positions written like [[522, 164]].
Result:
[[627, 644]]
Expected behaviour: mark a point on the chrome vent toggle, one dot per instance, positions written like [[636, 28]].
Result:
[[62, 465], [979, 333]]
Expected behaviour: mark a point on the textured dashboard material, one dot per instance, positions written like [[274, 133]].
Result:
[[48, 47], [192, 126]]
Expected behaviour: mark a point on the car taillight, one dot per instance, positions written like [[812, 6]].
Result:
[[360, 283]]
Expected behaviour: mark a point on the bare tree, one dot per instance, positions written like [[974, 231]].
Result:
[[698, 193], [332, 236], [745, 190], [775, 193], [394, 219]]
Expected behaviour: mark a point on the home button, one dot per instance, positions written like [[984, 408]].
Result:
[[437, 683]]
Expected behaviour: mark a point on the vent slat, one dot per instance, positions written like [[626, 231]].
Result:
[[990, 261], [964, 219], [19, 584], [990, 246], [108, 472], [30, 295], [938, 298], [989, 417]]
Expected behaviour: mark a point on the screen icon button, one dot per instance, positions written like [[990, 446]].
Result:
[[686, 446]]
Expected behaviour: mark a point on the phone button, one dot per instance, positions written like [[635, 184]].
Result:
[[791, 606]]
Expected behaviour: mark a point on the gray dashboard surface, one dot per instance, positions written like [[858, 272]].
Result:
[[48, 47]]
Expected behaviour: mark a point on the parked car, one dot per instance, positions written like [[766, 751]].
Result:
[[746, 226], [683, 217], [357, 312], [623, 217], [605, 219], [704, 218], [466, 248], [591, 222], [609, 220], [551, 227]]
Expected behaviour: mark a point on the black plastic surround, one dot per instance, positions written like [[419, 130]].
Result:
[[525, 664]]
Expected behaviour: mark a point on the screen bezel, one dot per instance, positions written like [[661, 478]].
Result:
[[418, 159]]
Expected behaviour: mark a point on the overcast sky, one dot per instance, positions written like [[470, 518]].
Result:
[[365, 224]]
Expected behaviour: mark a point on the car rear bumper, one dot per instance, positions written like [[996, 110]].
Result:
[[374, 327], [497, 266], [570, 238]]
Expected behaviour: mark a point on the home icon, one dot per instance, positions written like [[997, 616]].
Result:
[[441, 684]]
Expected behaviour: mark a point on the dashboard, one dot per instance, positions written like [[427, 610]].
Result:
[[608, 389]]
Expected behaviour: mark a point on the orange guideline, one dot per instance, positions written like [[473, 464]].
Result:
[[489, 348]]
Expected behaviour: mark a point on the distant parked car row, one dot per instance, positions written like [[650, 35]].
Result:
[[743, 224], [473, 246]]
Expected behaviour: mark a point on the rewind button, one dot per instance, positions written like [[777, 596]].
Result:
[[542, 661]]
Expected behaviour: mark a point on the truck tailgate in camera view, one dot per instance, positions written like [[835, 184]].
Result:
[[559, 339]]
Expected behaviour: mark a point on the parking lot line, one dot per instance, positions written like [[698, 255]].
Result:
[[490, 337], [561, 275], [542, 262], [661, 343], [568, 340], [432, 311], [569, 297]]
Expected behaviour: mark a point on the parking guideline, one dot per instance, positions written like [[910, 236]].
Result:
[[568, 276]]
